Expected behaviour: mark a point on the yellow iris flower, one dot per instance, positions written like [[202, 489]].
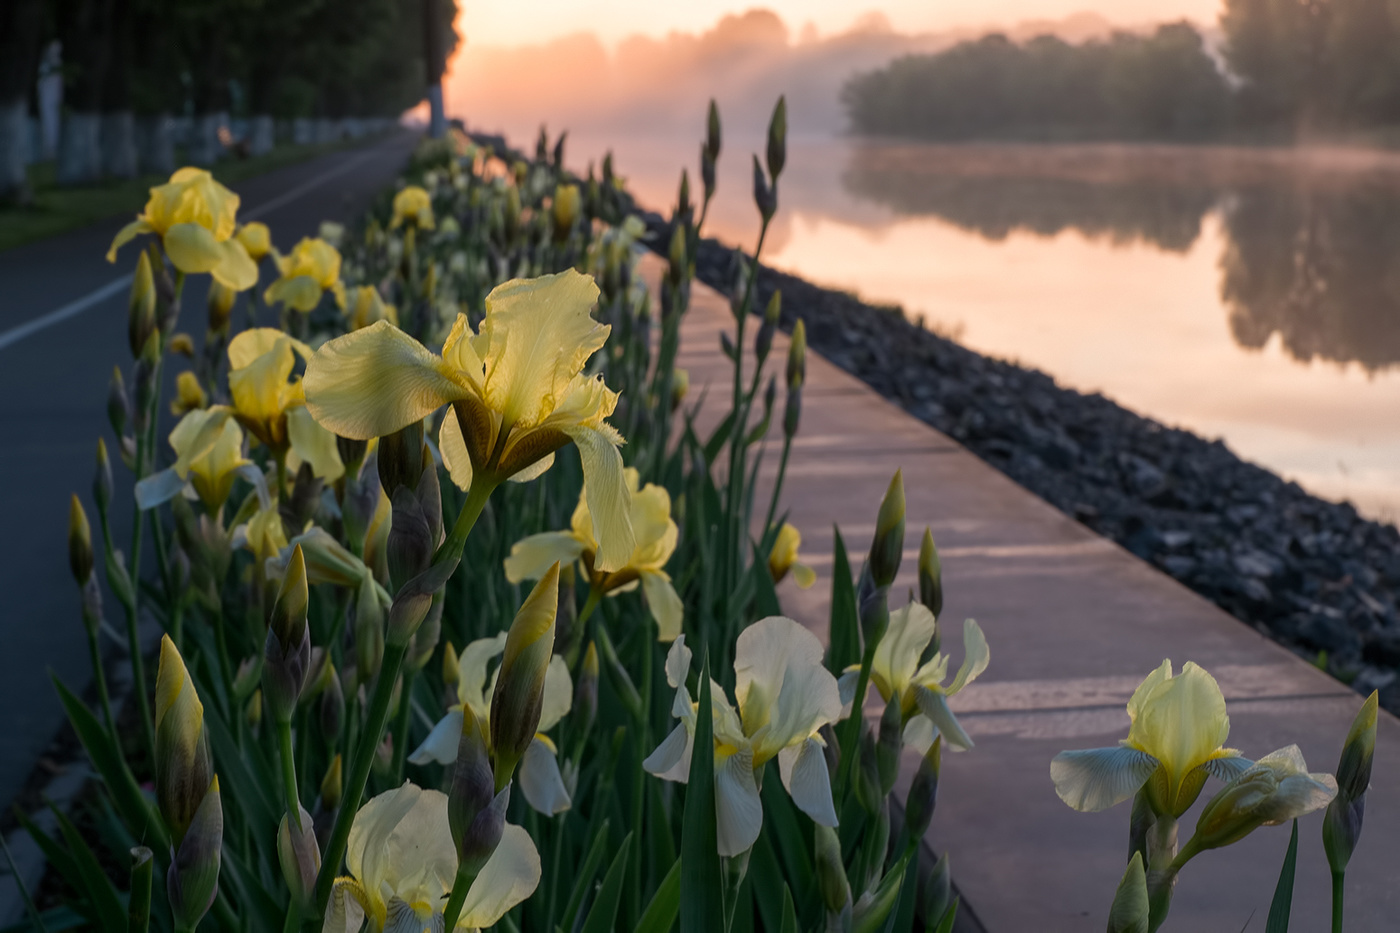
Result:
[[895, 671], [256, 239], [516, 388], [195, 217], [208, 449], [538, 773], [785, 695], [655, 534], [413, 205], [369, 308], [1176, 739], [402, 864], [271, 404], [189, 394], [312, 268], [784, 558]]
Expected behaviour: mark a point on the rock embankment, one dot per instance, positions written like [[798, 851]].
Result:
[[1310, 573]]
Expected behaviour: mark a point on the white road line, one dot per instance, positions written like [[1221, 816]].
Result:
[[96, 296]]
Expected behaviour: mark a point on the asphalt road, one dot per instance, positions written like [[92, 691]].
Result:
[[57, 349]]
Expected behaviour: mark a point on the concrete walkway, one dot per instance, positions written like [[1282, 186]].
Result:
[[54, 371], [1074, 623]]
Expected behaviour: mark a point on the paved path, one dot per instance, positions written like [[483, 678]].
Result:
[[1074, 623], [57, 350]]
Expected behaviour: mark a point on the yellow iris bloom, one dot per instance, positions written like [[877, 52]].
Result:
[[655, 534], [785, 695], [538, 773], [208, 449], [402, 864], [516, 388], [256, 239], [271, 404], [1176, 739], [368, 308], [413, 205], [194, 216], [189, 394], [784, 558], [895, 671], [312, 268]]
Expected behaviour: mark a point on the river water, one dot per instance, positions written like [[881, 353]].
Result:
[[1250, 295]]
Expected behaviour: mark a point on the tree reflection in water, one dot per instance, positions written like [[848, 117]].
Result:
[[1312, 246]]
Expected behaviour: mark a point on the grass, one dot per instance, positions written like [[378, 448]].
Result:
[[56, 210]]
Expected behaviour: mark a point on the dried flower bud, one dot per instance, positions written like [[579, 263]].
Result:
[[519, 696]]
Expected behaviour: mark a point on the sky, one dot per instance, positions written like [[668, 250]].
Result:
[[532, 21]]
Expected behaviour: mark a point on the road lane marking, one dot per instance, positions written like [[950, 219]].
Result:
[[98, 295]]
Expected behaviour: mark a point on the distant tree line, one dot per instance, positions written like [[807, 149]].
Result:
[[1287, 69], [128, 64]]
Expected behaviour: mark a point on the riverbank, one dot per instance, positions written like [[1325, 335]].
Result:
[[1309, 573]]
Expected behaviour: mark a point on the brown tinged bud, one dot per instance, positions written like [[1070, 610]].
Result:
[[141, 316], [887, 548], [193, 878], [832, 883], [923, 791], [519, 695], [287, 649], [221, 299], [299, 856], [890, 744], [930, 575], [79, 541], [476, 810], [777, 139]]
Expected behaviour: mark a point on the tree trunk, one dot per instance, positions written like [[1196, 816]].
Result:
[[435, 60], [21, 29], [85, 30], [118, 138]]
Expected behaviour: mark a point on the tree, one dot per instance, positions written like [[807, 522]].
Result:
[[21, 33]]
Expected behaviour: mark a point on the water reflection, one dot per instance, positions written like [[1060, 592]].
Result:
[[1310, 250]]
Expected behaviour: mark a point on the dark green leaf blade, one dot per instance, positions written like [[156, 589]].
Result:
[[1282, 906], [702, 891]]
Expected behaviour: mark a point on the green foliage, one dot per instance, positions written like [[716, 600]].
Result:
[[1158, 86]]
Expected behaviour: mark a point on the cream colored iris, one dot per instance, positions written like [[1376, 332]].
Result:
[[538, 773], [402, 864], [208, 449], [655, 534], [784, 558], [367, 307], [1175, 741], [412, 205], [271, 404], [895, 671], [785, 695], [516, 388], [195, 217], [312, 268]]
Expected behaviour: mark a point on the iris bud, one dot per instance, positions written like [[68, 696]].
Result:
[[1341, 826], [777, 139], [141, 316], [586, 691], [923, 791], [930, 575], [765, 197], [183, 767], [712, 131], [890, 743], [369, 631], [832, 883], [287, 649], [118, 403], [519, 695], [193, 878], [476, 811], [888, 546], [332, 784], [299, 856], [102, 479], [79, 541], [401, 458]]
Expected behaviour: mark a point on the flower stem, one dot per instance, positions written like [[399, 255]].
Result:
[[850, 740], [1338, 883], [401, 723], [100, 678], [289, 772], [460, 887]]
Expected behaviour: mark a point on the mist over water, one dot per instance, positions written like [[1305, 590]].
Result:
[[1247, 294]]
